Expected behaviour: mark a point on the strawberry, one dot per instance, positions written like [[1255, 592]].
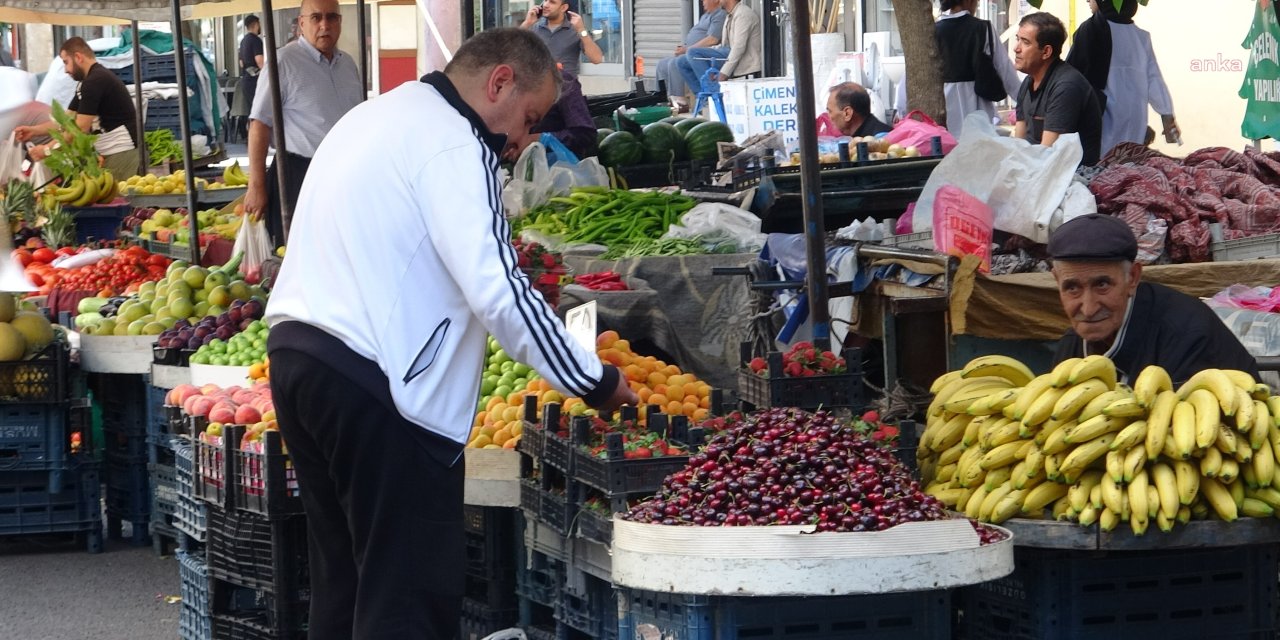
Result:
[[758, 365], [871, 417]]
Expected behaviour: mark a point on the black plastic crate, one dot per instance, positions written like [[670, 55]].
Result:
[[595, 526], [615, 474], [480, 619], [492, 542], [164, 489], [124, 447], [191, 516], [591, 608], [38, 436], [128, 489], [43, 378], [27, 506], [159, 68], [123, 400], [898, 616], [844, 390], [98, 221], [550, 508], [253, 551], [263, 481], [684, 173], [252, 626], [1183, 593], [538, 579]]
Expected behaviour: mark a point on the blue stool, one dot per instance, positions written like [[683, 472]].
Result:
[[710, 89]]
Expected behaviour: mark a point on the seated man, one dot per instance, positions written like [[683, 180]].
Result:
[[849, 107], [739, 51], [569, 119], [706, 33], [1134, 323], [1054, 98]]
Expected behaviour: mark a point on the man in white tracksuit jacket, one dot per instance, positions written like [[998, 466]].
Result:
[[399, 265]]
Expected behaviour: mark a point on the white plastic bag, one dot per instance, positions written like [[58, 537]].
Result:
[[533, 182], [1024, 184], [254, 241], [718, 223], [11, 158]]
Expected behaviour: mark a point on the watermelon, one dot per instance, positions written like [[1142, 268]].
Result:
[[672, 119], [686, 124], [601, 134], [662, 143], [701, 140], [620, 149]]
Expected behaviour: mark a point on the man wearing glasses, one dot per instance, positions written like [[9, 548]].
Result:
[[318, 85]]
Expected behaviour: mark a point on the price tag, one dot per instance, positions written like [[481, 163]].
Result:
[[580, 321]]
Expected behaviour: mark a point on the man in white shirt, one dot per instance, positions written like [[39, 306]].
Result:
[[739, 53]]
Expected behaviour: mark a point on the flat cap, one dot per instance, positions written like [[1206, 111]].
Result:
[[1093, 237]]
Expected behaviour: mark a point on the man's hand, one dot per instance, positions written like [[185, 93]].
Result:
[[24, 133], [720, 77], [255, 200], [1171, 131], [621, 395], [681, 50], [38, 153], [575, 21], [535, 12]]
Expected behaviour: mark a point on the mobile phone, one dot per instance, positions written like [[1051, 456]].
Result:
[[538, 11]]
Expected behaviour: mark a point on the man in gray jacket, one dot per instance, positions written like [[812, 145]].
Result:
[[739, 53]]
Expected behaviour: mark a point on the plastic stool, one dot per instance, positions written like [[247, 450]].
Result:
[[710, 89]]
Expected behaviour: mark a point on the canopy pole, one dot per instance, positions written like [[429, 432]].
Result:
[[810, 177], [180, 63], [139, 121], [362, 32], [277, 115]]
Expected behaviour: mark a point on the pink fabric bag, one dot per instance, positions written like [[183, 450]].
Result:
[[917, 130]]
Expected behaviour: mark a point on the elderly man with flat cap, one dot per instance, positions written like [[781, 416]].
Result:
[[1134, 323]]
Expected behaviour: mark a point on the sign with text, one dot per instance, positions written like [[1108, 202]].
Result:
[[761, 106], [580, 321], [1262, 77]]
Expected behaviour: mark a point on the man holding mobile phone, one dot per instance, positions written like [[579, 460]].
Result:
[[564, 33]]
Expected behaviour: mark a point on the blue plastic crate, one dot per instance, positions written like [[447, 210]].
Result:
[[1182, 593], [157, 419], [35, 436], [164, 489], [480, 620], [27, 506], [98, 222], [192, 515], [589, 606], [194, 573], [159, 68], [192, 625], [899, 616], [128, 490]]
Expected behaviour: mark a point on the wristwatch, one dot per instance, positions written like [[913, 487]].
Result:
[[584, 33]]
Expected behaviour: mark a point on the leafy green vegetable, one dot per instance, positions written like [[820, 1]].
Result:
[[662, 247], [161, 147], [75, 153], [596, 215]]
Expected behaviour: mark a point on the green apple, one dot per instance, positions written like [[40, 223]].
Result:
[[202, 308], [182, 308], [122, 328], [219, 297], [135, 327], [195, 276], [239, 290], [216, 279], [153, 328], [177, 266]]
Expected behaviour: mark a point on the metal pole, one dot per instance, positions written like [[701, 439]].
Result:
[[277, 114], [810, 177], [362, 33], [180, 62], [140, 122]]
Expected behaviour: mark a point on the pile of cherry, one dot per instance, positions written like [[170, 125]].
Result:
[[786, 466]]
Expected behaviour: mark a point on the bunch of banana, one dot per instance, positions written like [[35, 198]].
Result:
[[85, 190], [1073, 444], [233, 176]]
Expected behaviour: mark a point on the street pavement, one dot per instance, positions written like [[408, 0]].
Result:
[[53, 589]]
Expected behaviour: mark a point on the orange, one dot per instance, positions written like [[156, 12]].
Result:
[[674, 390], [644, 393], [493, 401], [606, 339], [656, 378], [704, 402], [516, 399], [691, 398], [512, 414], [674, 407], [613, 357], [658, 399], [660, 388], [679, 379], [672, 370], [634, 372], [480, 418], [688, 408], [501, 436], [701, 414], [621, 345], [516, 429], [511, 444]]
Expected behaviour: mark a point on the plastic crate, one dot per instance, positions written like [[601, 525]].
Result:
[[1257, 247], [43, 378], [684, 173], [27, 506], [194, 573], [491, 542], [254, 626], [844, 390], [1183, 593], [123, 400], [249, 550], [124, 447], [590, 608], [159, 68], [264, 481], [191, 516], [550, 508], [549, 448], [480, 620], [595, 526], [192, 625], [98, 222], [157, 420], [164, 489], [643, 115], [128, 490], [36, 436], [898, 616], [617, 475], [538, 579]]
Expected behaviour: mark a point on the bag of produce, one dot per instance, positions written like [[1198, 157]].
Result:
[[255, 244], [962, 225]]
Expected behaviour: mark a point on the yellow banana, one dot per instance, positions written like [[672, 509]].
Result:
[[1115, 465], [943, 380], [1007, 507], [950, 433], [957, 385], [1135, 462], [1138, 502], [1153, 380], [1027, 479], [1076, 397], [1240, 379], [1208, 416], [1216, 382], [972, 431], [1268, 495], [90, 194], [1133, 435], [961, 400], [1229, 471], [1038, 498], [1248, 476], [1108, 520], [1080, 491], [1184, 514], [1219, 499], [1260, 391], [1254, 508], [1088, 516], [1184, 429], [997, 477], [1095, 406], [1082, 456], [973, 508], [1002, 433], [1123, 408], [1244, 453], [994, 403], [1236, 489], [1099, 367], [1092, 428], [1000, 366], [946, 496], [1164, 522], [1226, 440], [1166, 483], [1001, 456], [1051, 463], [1188, 477], [1211, 463], [1261, 429], [1048, 429], [945, 474], [1095, 494], [1030, 392], [1062, 371], [1244, 411], [1062, 510], [1042, 408], [1264, 465], [951, 455], [991, 500], [1033, 462], [1273, 405]]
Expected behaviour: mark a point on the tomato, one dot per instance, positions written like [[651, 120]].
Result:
[[43, 254], [158, 261], [65, 251], [22, 256]]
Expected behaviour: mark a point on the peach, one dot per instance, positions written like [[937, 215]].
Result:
[[222, 412], [180, 393], [210, 389], [246, 414], [243, 396], [198, 406]]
